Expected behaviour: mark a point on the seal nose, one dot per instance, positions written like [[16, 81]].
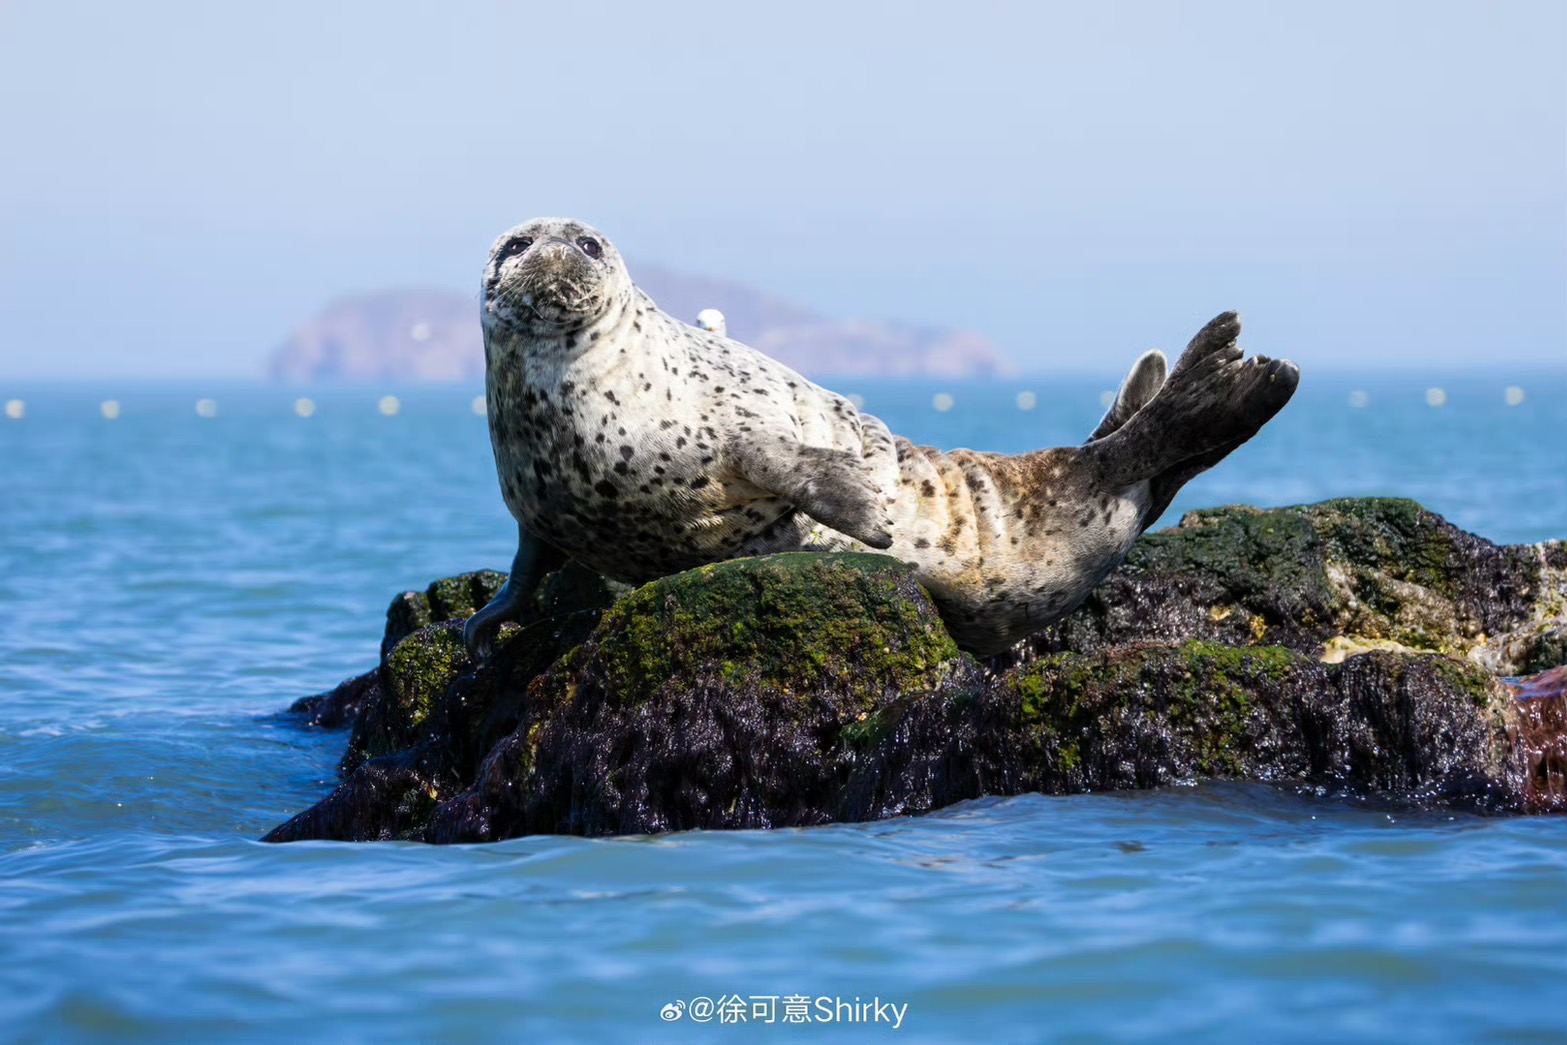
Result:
[[553, 256]]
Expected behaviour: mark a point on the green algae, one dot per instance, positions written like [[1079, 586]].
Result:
[[1203, 695], [420, 669], [414, 679], [795, 623], [1394, 535]]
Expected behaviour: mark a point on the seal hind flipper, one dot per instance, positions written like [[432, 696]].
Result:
[[1163, 487], [1213, 401], [1142, 383]]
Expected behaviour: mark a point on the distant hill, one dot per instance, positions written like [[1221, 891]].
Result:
[[432, 335]]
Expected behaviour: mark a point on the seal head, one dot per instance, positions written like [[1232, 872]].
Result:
[[550, 275]]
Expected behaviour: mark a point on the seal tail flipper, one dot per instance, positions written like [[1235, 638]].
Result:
[[1142, 383], [1213, 401], [1163, 487]]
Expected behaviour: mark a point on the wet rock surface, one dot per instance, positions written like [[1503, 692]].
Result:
[[1330, 580], [1362, 647]]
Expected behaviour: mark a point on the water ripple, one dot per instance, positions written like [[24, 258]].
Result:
[[169, 582]]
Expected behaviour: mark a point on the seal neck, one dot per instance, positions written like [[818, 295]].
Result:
[[537, 346]]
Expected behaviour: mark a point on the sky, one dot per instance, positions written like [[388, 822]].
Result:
[[1373, 185]]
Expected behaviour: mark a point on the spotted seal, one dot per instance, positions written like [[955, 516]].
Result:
[[639, 446]]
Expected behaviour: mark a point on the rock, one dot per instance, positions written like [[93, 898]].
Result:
[[451, 598], [1422, 729], [339, 707], [1327, 580], [726, 696], [1351, 647], [1542, 736]]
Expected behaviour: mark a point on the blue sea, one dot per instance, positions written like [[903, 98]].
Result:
[[170, 581]]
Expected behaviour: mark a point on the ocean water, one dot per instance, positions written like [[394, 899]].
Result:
[[169, 582]]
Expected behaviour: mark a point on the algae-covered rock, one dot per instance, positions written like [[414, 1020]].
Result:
[[341, 705], [413, 679], [450, 598], [385, 798], [1340, 576], [570, 589], [1423, 728], [726, 696], [426, 716], [1351, 647]]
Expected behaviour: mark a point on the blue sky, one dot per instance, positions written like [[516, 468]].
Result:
[[1372, 185]]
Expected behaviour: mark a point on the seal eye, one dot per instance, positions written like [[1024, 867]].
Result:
[[512, 249], [590, 246]]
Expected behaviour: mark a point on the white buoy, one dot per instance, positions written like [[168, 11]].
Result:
[[1027, 400], [1436, 397], [479, 406], [305, 407], [942, 402], [419, 331], [711, 319], [856, 400], [1359, 399], [15, 409], [1513, 395], [389, 405], [206, 408], [110, 409]]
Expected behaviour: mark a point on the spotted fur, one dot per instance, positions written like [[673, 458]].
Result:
[[639, 446]]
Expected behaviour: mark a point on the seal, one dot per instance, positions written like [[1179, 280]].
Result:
[[640, 446]]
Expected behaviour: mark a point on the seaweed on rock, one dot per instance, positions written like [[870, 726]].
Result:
[[1353, 646]]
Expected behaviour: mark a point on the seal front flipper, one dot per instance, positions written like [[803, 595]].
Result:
[[834, 487], [533, 560], [1213, 401]]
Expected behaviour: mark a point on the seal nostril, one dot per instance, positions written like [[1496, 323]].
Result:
[[590, 246]]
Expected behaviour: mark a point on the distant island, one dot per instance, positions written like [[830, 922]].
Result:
[[433, 335]]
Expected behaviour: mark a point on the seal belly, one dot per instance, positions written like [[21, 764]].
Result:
[[1005, 545]]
